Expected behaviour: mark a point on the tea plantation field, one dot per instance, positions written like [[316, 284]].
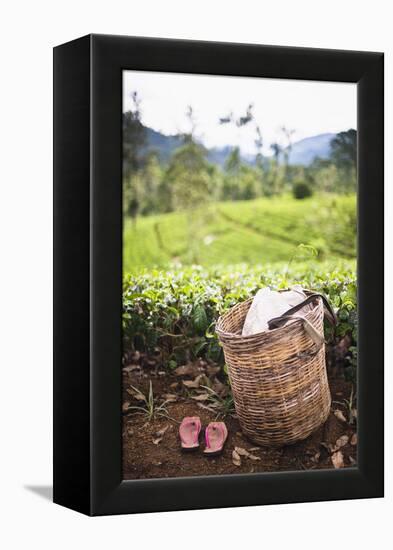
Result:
[[253, 232]]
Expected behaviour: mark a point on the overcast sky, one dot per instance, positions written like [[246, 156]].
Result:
[[308, 107]]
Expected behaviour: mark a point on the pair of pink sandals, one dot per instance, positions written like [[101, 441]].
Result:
[[216, 434]]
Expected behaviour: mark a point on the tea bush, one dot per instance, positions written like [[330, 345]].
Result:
[[173, 313], [301, 190]]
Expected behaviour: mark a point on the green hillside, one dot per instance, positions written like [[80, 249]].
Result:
[[254, 232]]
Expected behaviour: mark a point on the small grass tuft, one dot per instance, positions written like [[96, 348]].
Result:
[[150, 407]]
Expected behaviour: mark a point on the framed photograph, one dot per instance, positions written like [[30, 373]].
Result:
[[218, 275]]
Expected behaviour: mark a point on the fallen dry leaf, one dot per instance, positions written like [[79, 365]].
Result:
[[139, 396], [338, 459], [206, 407], [174, 385], [342, 347], [221, 389], [212, 371], [193, 383], [161, 432], [254, 449], [130, 368], [236, 458], [125, 406], [157, 440], [241, 451], [354, 439], [136, 394], [316, 457], [170, 397], [187, 370], [354, 413], [338, 414], [201, 397], [341, 441], [352, 460]]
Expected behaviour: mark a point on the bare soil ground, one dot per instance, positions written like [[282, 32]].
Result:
[[151, 448]]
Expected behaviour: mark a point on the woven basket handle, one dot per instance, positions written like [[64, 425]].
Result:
[[311, 331]]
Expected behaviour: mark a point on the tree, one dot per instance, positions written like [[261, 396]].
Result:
[[134, 138], [233, 162], [188, 175], [188, 178], [134, 141], [344, 150], [239, 181], [287, 148], [188, 170], [258, 145], [151, 177], [275, 172], [245, 119], [276, 148], [239, 121], [343, 153]]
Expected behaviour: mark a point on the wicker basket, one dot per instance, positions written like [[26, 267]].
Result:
[[278, 377]]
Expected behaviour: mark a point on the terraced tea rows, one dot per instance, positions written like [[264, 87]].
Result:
[[254, 232]]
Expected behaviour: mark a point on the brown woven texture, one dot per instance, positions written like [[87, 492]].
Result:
[[278, 377]]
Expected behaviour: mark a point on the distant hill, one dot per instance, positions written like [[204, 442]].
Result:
[[305, 150], [160, 143], [302, 152], [220, 155]]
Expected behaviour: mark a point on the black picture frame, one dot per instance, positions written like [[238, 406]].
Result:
[[88, 274]]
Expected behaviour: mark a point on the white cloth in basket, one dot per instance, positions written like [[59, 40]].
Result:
[[268, 304]]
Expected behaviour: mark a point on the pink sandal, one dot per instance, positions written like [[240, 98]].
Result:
[[189, 430], [216, 435]]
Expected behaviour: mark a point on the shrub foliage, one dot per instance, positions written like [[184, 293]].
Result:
[[301, 190], [173, 313]]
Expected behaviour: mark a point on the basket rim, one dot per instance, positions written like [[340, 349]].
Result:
[[270, 332]]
